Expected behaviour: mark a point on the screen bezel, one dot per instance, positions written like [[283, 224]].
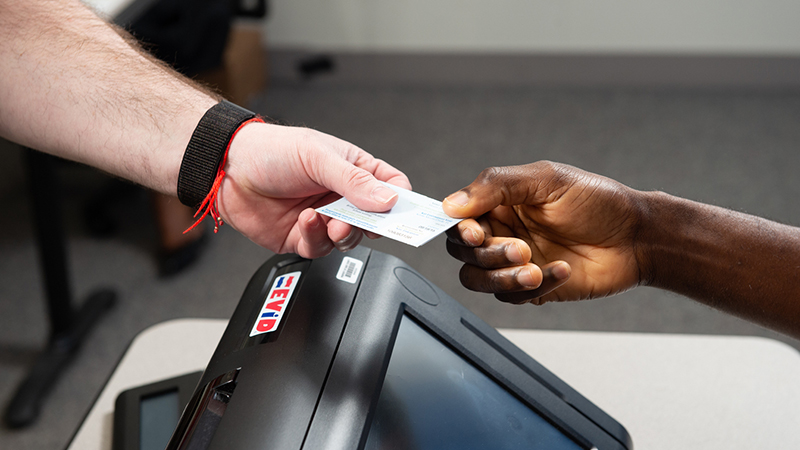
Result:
[[492, 373], [488, 371], [127, 420]]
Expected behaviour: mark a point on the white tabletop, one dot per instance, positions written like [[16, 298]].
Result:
[[669, 391], [681, 391]]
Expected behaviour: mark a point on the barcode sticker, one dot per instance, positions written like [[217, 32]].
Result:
[[349, 270]]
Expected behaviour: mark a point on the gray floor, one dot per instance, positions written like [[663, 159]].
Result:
[[730, 148]]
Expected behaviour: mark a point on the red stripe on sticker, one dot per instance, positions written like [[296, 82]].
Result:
[[275, 304]]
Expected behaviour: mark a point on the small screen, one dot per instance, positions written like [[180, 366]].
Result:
[[158, 417], [433, 399]]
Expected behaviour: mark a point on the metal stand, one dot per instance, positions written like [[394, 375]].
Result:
[[68, 325]]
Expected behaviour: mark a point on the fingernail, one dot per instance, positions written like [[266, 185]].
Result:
[[560, 271], [460, 198], [525, 278], [514, 253], [476, 240], [312, 220], [383, 194]]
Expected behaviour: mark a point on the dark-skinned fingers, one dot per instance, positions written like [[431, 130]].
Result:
[[554, 275], [508, 279], [495, 253], [530, 184], [519, 298], [486, 226], [467, 232]]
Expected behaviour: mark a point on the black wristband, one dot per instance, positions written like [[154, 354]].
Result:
[[206, 148]]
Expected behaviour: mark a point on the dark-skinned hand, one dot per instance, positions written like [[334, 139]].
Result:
[[545, 232]]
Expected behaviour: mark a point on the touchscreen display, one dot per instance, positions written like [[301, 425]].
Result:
[[158, 416], [434, 399]]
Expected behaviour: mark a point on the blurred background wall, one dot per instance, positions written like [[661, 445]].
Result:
[[733, 27], [513, 42]]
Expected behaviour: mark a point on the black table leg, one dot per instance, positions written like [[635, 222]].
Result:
[[68, 325]]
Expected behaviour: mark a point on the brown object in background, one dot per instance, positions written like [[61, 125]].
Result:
[[244, 69], [172, 219]]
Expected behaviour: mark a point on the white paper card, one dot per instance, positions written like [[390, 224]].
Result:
[[414, 220]]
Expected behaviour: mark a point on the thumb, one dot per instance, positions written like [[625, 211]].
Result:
[[359, 186], [530, 184]]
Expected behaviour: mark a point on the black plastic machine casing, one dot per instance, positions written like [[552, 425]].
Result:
[[314, 382]]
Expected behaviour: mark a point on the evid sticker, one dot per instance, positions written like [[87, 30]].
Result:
[[275, 304], [349, 270]]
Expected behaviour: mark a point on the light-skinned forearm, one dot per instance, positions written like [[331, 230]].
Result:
[[734, 262], [72, 86]]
